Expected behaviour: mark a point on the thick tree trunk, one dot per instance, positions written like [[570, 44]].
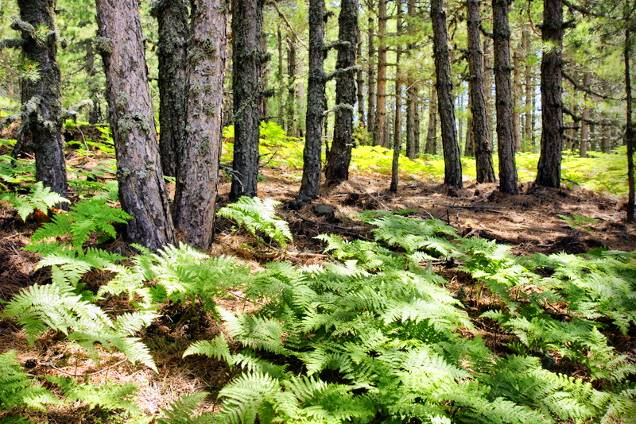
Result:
[[340, 155], [380, 134], [503, 102], [488, 77], [549, 168], [197, 174], [516, 100], [42, 110], [397, 123], [371, 80], [290, 106], [412, 89], [172, 20], [480, 126], [529, 88], [247, 89], [452, 163], [431, 133], [310, 184], [360, 84], [141, 187], [630, 133], [585, 126]]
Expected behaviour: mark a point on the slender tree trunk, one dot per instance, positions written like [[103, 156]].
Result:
[[488, 77], [310, 184], [630, 133], [533, 115], [452, 163], [585, 126], [412, 142], [431, 133], [197, 173], [172, 20], [529, 89], [141, 187], [516, 100], [371, 80], [42, 110], [397, 123], [360, 84], [380, 135], [549, 168], [460, 119], [280, 89], [291, 117], [503, 102], [95, 113], [340, 155], [469, 145], [480, 128], [247, 88]]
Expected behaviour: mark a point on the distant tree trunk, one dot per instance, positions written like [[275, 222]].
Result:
[[380, 134], [247, 88], [291, 119], [42, 110], [585, 126], [412, 89], [460, 119], [469, 144], [371, 80], [480, 126], [431, 133], [95, 113], [172, 20], [141, 188], [340, 155], [488, 76], [533, 115], [452, 163], [360, 84], [197, 174], [397, 123], [529, 89], [516, 100], [280, 84], [310, 184], [265, 93], [503, 93], [549, 168], [630, 133]]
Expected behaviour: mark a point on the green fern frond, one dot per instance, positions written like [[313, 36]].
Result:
[[41, 198]]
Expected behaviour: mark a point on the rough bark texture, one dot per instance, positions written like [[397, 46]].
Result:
[[360, 84], [452, 163], [585, 126], [172, 20], [340, 154], [197, 173], [310, 183], [630, 133], [397, 123], [141, 187], [503, 101], [42, 111], [247, 88], [380, 133], [95, 113], [431, 133], [529, 88], [371, 80], [488, 86], [290, 104], [479, 128], [549, 168], [516, 100], [280, 83]]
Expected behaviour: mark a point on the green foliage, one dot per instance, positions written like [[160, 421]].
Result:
[[41, 198], [183, 411], [18, 389], [577, 221], [258, 217]]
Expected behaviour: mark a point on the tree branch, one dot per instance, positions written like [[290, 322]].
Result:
[[342, 71]]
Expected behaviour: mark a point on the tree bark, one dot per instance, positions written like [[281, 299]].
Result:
[[412, 93], [371, 80], [360, 84], [431, 133], [529, 89], [95, 113], [197, 175], [503, 102], [310, 183], [141, 187], [549, 168], [480, 127], [630, 133], [42, 110], [247, 89], [292, 92], [452, 163], [280, 84], [339, 157], [172, 20], [516, 100], [397, 136], [585, 126], [380, 134], [488, 77]]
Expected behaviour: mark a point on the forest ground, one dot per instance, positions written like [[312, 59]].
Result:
[[530, 222]]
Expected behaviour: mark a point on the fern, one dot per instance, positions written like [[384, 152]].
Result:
[[183, 411], [258, 217], [41, 198], [18, 389]]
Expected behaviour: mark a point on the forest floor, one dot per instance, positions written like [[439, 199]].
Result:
[[538, 220]]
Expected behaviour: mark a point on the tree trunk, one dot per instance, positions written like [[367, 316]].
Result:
[[380, 134], [516, 100], [291, 117], [280, 86], [141, 187], [310, 184], [360, 84], [503, 101], [412, 121], [371, 80], [197, 174], [585, 126], [549, 168], [480, 125], [630, 133], [340, 155], [95, 113], [42, 110], [172, 20], [452, 163], [529, 89], [431, 133], [247, 89], [397, 123]]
